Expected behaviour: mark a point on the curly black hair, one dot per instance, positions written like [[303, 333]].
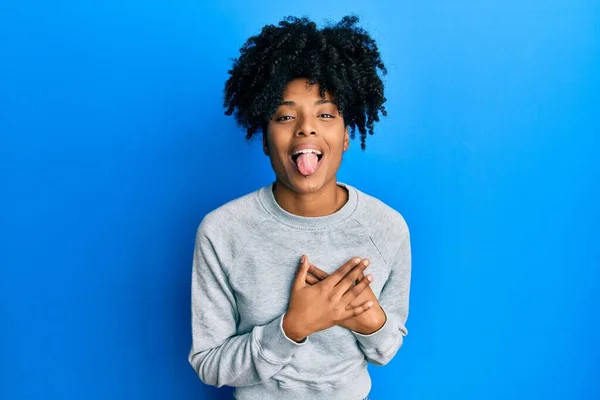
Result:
[[342, 58]]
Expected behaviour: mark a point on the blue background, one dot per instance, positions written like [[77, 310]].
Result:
[[113, 146]]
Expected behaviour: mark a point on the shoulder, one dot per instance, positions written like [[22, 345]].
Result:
[[242, 213], [229, 226], [385, 225], [378, 216]]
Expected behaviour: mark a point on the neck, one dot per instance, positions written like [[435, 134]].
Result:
[[325, 201]]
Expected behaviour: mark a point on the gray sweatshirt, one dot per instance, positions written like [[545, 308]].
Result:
[[246, 255]]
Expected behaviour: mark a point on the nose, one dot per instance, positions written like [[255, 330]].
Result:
[[305, 127]]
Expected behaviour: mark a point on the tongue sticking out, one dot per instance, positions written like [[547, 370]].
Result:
[[307, 163]]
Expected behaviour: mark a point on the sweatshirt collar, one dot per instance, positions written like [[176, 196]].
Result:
[[310, 223]]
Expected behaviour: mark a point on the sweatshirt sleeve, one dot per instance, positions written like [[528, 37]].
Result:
[[219, 355], [381, 346]]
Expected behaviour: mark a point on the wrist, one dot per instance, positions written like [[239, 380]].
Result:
[[291, 329], [378, 321], [372, 322]]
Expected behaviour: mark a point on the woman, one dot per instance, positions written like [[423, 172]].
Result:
[[261, 323]]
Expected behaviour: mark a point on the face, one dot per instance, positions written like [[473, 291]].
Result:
[[306, 138]]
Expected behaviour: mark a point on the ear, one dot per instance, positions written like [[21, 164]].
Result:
[[265, 144], [346, 139]]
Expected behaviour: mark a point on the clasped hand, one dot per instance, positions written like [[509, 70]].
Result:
[[319, 301]]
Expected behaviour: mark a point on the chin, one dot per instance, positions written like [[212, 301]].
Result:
[[308, 185], [301, 184], [289, 176]]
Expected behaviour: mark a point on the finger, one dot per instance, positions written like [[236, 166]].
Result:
[[301, 274], [361, 276], [317, 272], [366, 306], [311, 280], [356, 290], [341, 272], [359, 299], [350, 279]]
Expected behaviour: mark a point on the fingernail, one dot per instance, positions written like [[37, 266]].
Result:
[[370, 278], [370, 304], [366, 263], [356, 260]]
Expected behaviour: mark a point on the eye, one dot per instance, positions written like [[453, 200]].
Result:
[[326, 116], [283, 118]]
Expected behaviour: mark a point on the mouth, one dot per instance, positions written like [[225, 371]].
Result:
[[307, 161], [297, 154]]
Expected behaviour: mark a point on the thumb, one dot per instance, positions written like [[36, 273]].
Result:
[[300, 280]]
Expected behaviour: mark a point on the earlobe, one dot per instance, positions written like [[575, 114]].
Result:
[[346, 140]]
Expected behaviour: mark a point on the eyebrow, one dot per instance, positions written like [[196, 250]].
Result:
[[317, 103]]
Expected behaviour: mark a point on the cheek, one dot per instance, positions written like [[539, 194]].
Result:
[[336, 143], [277, 146]]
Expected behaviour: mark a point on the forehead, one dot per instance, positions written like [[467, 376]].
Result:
[[301, 89]]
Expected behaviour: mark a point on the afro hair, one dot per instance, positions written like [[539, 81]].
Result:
[[341, 58]]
